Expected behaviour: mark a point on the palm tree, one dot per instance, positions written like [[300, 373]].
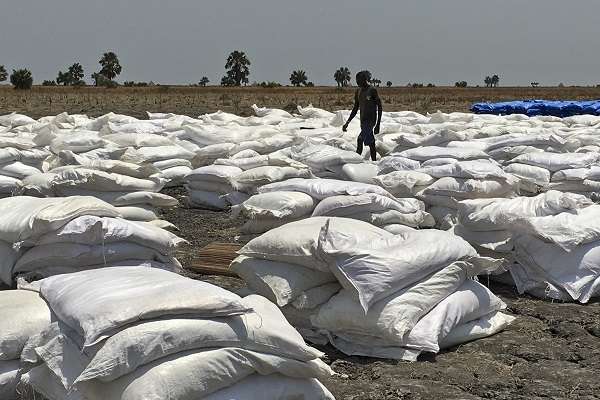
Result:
[[376, 82], [495, 80], [237, 65], [3, 73], [298, 78], [110, 65], [204, 81], [488, 81], [342, 76]]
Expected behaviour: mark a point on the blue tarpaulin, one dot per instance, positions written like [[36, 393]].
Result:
[[557, 108]]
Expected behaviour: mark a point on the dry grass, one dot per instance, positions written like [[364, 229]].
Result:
[[194, 101]]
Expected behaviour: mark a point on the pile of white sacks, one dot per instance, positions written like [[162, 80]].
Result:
[[24, 314], [346, 254], [159, 336], [41, 237], [370, 292], [553, 237], [431, 168], [20, 156]]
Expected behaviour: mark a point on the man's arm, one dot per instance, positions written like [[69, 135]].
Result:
[[353, 113], [379, 111]]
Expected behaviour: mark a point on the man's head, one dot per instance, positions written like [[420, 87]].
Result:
[[363, 78]]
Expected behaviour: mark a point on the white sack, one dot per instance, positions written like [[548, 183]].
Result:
[[296, 242], [399, 260], [23, 314], [278, 205], [83, 302], [279, 282], [24, 216], [273, 387], [557, 161], [93, 230], [323, 188]]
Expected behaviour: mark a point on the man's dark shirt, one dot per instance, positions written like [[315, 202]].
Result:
[[366, 100]]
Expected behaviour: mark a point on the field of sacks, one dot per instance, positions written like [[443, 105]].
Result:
[[391, 260]]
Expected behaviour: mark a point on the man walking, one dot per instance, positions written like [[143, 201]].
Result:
[[368, 102]]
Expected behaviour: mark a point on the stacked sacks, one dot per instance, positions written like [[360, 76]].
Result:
[[20, 157], [231, 181], [23, 314], [401, 294], [378, 210], [427, 153], [585, 181], [323, 160], [47, 236], [266, 211], [420, 299], [438, 137], [508, 146], [404, 183], [294, 199], [394, 162], [250, 180], [364, 172], [567, 172], [557, 255], [488, 224], [133, 140], [320, 189], [137, 198], [249, 159], [173, 169], [213, 187], [462, 180], [86, 143], [165, 336], [282, 265], [14, 120]]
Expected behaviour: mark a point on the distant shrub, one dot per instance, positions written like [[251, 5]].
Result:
[[48, 83], [461, 84], [135, 84], [101, 80], [270, 84]]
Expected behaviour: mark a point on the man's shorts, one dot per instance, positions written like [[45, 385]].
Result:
[[366, 132]]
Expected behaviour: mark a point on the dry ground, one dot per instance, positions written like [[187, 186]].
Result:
[[551, 352], [193, 101]]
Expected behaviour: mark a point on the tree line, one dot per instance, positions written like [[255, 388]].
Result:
[[237, 73]]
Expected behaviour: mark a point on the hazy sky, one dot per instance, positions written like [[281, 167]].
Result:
[[439, 41]]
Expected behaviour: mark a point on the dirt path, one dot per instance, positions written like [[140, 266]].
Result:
[[551, 352]]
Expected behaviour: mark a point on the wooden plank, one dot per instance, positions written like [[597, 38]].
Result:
[[214, 259]]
